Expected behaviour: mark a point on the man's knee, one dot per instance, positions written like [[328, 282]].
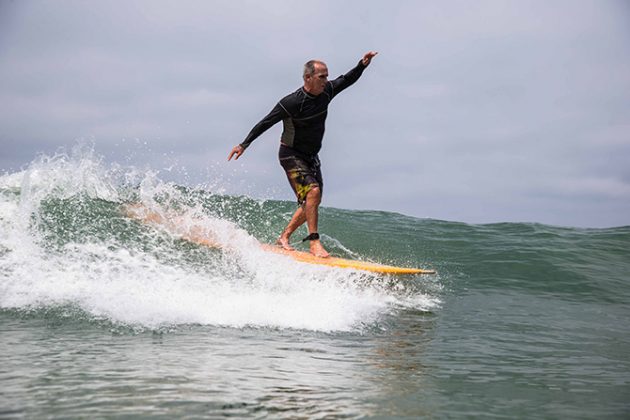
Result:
[[314, 196]]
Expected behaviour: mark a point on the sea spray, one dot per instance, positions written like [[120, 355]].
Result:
[[67, 244]]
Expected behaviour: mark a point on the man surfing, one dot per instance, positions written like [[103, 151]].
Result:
[[303, 114]]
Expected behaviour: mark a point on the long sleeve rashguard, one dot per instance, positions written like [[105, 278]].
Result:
[[304, 115]]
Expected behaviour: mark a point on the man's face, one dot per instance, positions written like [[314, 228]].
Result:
[[315, 83]]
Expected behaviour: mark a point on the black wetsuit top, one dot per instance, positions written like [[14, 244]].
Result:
[[304, 115]]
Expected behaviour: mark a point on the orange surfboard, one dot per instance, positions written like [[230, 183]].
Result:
[[345, 263], [198, 235]]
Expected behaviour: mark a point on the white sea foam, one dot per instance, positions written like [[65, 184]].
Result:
[[245, 287]]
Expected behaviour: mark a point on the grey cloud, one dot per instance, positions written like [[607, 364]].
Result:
[[479, 112]]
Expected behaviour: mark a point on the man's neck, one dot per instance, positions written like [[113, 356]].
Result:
[[305, 89]]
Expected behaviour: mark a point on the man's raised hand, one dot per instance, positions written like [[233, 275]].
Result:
[[367, 58]]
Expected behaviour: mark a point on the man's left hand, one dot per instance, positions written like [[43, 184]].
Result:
[[367, 58]]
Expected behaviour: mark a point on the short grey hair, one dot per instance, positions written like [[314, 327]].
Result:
[[309, 67]]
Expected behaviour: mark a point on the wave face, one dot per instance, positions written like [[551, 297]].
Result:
[[67, 248]]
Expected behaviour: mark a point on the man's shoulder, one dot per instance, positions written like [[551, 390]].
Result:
[[329, 90], [292, 100], [293, 96]]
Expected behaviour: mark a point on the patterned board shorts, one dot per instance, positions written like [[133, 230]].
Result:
[[303, 171]]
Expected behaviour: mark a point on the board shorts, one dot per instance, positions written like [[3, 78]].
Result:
[[303, 171]]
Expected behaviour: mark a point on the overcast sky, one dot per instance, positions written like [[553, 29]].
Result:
[[473, 111]]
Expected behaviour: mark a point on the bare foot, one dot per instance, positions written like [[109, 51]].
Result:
[[284, 243], [318, 250]]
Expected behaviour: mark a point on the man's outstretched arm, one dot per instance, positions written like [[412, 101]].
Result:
[[276, 115], [348, 79]]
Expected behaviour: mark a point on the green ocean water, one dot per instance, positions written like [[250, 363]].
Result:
[[103, 317]]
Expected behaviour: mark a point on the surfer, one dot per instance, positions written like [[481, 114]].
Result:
[[303, 114]]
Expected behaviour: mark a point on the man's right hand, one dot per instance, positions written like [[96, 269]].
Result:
[[238, 151]]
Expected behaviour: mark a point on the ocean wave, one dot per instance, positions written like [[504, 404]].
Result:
[[66, 243]]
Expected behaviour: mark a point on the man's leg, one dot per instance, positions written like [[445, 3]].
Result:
[[298, 219], [311, 208], [308, 213]]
